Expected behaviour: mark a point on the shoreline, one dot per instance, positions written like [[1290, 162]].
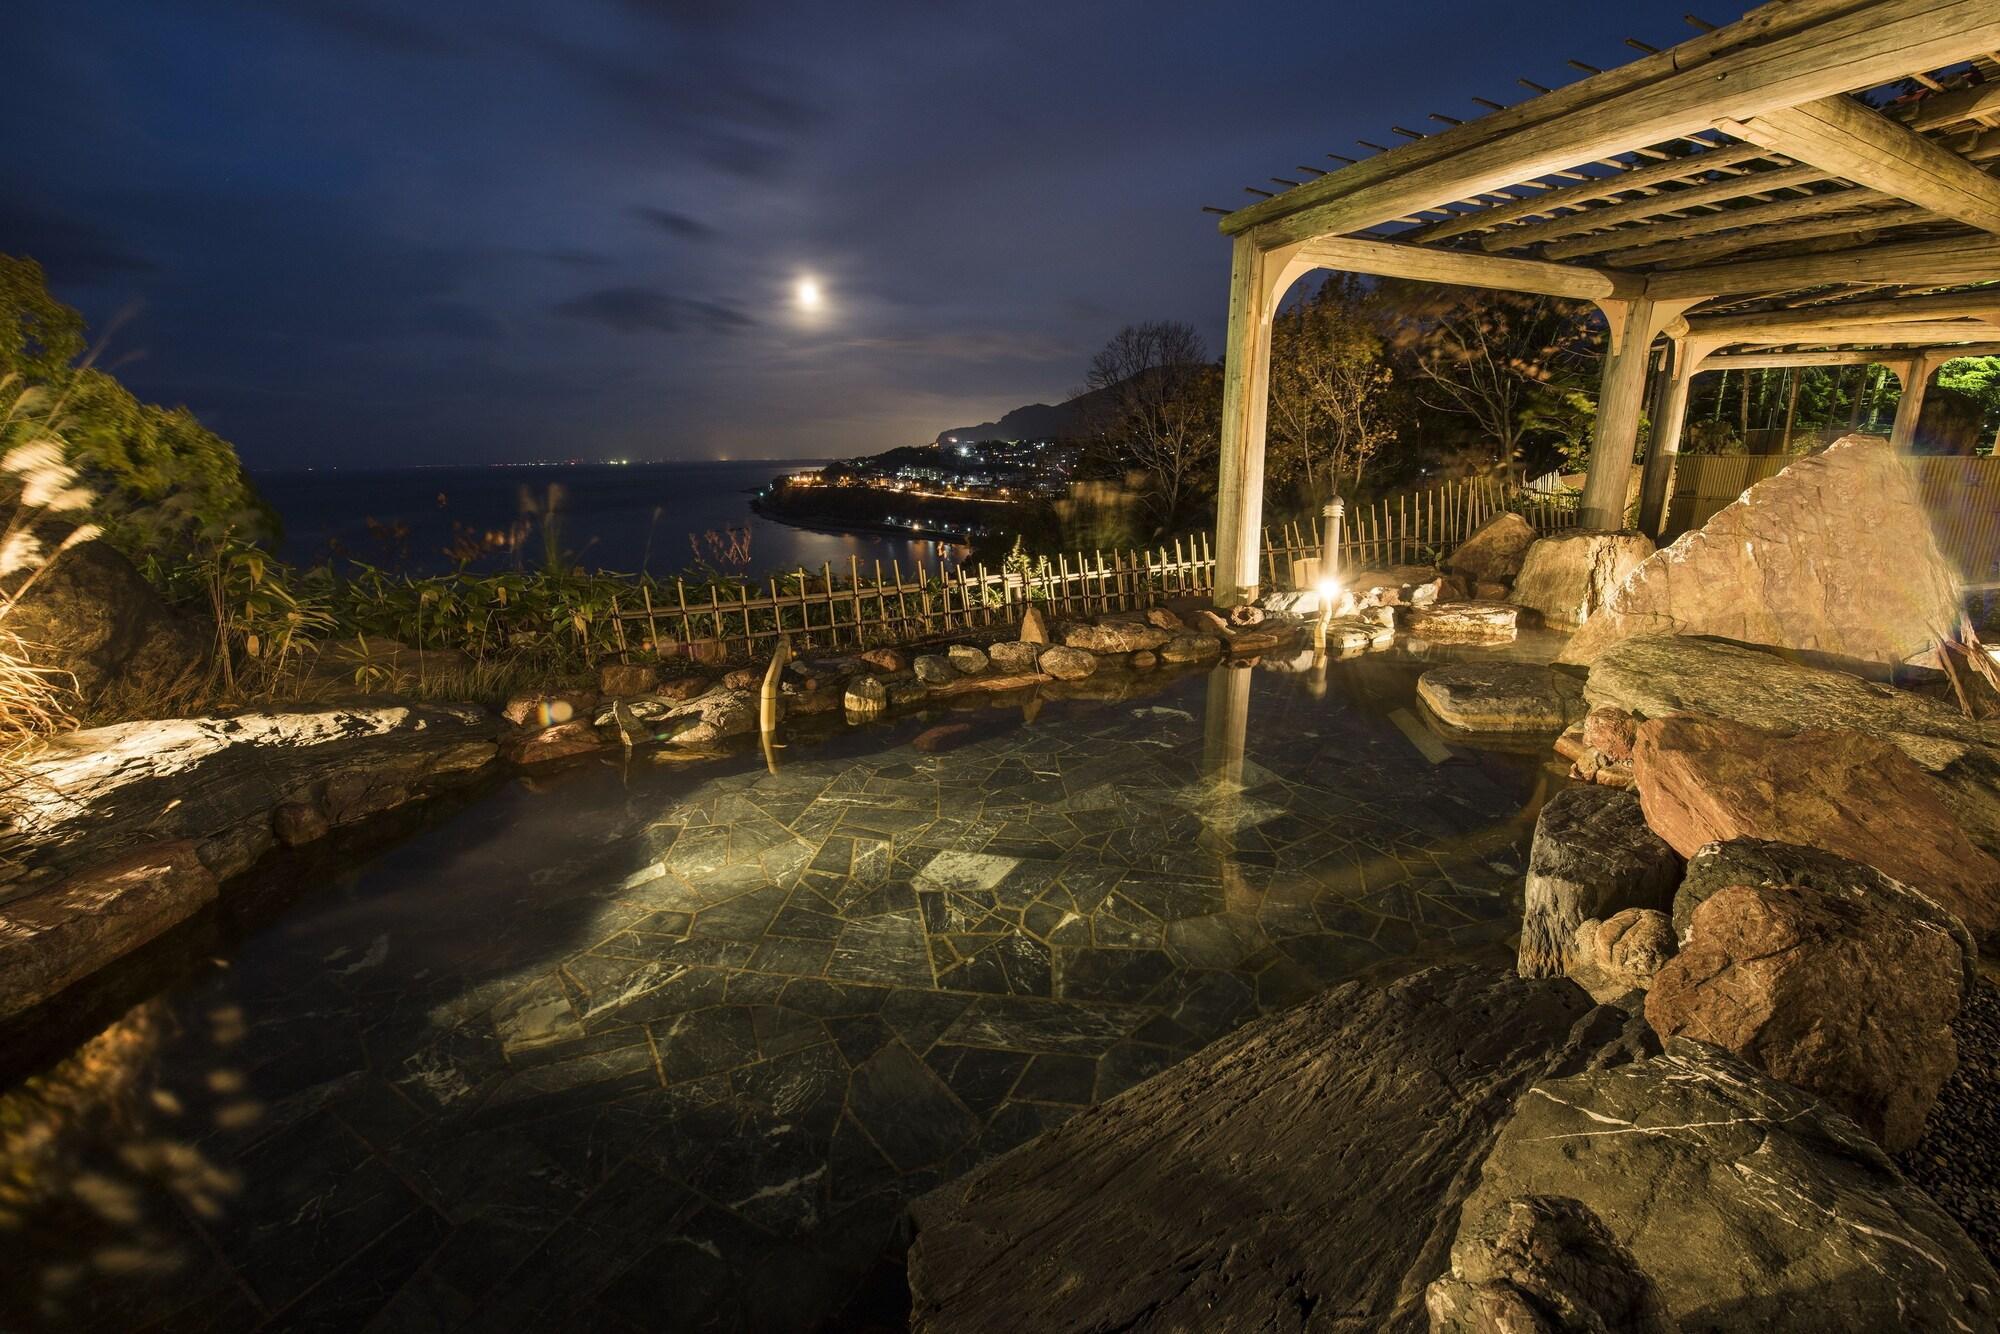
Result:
[[846, 528]]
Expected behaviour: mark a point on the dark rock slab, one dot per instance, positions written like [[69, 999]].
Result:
[[69, 930], [1746, 1203], [94, 794], [1593, 856], [1302, 1173]]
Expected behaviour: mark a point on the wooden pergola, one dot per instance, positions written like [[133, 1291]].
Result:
[[1809, 185]]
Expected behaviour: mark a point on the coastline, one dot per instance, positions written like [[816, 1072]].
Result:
[[859, 527]]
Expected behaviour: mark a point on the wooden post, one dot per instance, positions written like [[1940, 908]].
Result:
[[1916, 377], [1254, 286], [1619, 402], [1656, 483], [652, 630]]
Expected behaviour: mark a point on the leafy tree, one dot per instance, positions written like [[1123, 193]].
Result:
[[1162, 410], [166, 484], [1515, 364], [1328, 413], [1978, 378]]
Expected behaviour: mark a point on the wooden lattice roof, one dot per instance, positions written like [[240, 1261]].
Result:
[[1817, 175]]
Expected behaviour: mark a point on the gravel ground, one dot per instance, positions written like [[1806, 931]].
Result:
[[1958, 1159]]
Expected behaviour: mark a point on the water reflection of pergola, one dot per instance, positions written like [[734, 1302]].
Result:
[[1806, 186]]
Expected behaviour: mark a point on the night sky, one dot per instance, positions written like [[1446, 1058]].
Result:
[[362, 232]]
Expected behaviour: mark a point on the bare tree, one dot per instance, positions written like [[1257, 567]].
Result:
[[1163, 408]]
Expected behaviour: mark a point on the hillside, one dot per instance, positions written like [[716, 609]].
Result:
[[1067, 420]]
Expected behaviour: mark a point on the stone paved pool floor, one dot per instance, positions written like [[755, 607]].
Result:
[[671, 1050]]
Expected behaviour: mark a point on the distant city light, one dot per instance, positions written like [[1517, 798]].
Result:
[[808, 293]]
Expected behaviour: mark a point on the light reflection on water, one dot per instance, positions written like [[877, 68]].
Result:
[[626, 1043]]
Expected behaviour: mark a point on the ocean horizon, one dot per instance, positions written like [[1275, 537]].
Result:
[[652, 518]]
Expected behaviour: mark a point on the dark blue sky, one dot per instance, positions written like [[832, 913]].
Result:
[[362, 232]]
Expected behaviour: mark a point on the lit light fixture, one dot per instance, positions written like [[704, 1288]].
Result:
[[1328, 589]]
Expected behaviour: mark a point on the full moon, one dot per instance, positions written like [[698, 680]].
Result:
[[808, 294]]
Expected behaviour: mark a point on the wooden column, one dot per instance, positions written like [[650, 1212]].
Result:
[[1620, 401], [1916, 376], [1246, 382], [1666, 440]]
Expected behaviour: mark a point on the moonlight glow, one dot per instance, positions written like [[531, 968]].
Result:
[[808, 294]]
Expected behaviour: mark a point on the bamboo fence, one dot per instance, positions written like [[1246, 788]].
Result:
[[856, 607]]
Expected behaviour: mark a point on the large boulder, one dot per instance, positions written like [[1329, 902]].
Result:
[[1501, 697], [1189, 647], [934, 669], [546, 745], [1592, 857], [92, 615], [1655, 675], [1848, 996], [710, 718], [1012, 655], [626, 678], [1709, 780], [865, 696], [1317, 1156], [1480, 621], [1493, 554], [1767, 864], [1569, 576], [1745, 1203], [1833, 556], [1066, 664], [1113, 637]]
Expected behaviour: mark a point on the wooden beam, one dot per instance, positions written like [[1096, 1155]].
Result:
[[1981, 305], [1573, 196], [1974, 103], [1848, 139], [1702, 248], [1778, 55], [1597, 220], [1865, 356], [1391, 259], [1913, 332], [1939, 263]]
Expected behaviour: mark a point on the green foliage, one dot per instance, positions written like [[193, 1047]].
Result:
[[165, 482], [1564, 414], [1976, 377]]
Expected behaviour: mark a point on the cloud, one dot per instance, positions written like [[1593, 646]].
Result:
[[726, 112], [636, 309], [675, 224], [69, 249]]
